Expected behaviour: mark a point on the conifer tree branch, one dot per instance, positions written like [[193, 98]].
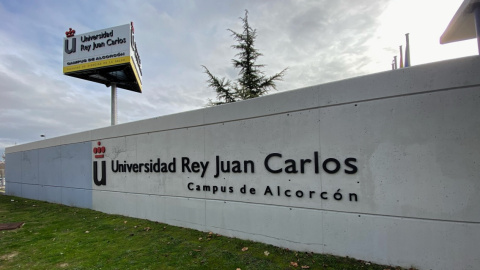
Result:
[[251, 81], [221, 86]]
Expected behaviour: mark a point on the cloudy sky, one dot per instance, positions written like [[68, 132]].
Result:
[[319, 41]]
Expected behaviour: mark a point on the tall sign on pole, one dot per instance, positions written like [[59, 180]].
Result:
[[108, 56]]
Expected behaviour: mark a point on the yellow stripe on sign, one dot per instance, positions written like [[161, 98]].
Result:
[[136, 75], [97, 64]]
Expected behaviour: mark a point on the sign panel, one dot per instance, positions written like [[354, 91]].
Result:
[[105, 56]]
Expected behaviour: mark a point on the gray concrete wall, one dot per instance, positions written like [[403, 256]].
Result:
[[59, 174], [406, 143]]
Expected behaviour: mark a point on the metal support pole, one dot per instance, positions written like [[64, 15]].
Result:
[[407, 52], [476, 12], [114, 104], [401, 57]]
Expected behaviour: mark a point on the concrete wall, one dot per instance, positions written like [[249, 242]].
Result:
[[401, 147], [56, 174]]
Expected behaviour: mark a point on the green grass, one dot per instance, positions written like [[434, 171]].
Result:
[[60, 237]]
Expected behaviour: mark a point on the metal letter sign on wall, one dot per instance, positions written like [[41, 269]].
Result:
[[99, 153], [106, 56]]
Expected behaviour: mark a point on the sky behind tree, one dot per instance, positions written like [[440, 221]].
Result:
[[319, 41]]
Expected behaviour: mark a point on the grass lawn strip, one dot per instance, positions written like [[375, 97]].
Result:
[[60, 237]]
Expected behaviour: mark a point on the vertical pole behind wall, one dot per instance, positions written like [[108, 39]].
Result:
[[114, 104], [476, 11]]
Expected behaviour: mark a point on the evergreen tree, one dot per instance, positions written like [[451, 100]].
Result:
[[251, 82]]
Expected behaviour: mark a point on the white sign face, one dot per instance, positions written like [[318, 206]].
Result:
[[90, 50], [100, 50]]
